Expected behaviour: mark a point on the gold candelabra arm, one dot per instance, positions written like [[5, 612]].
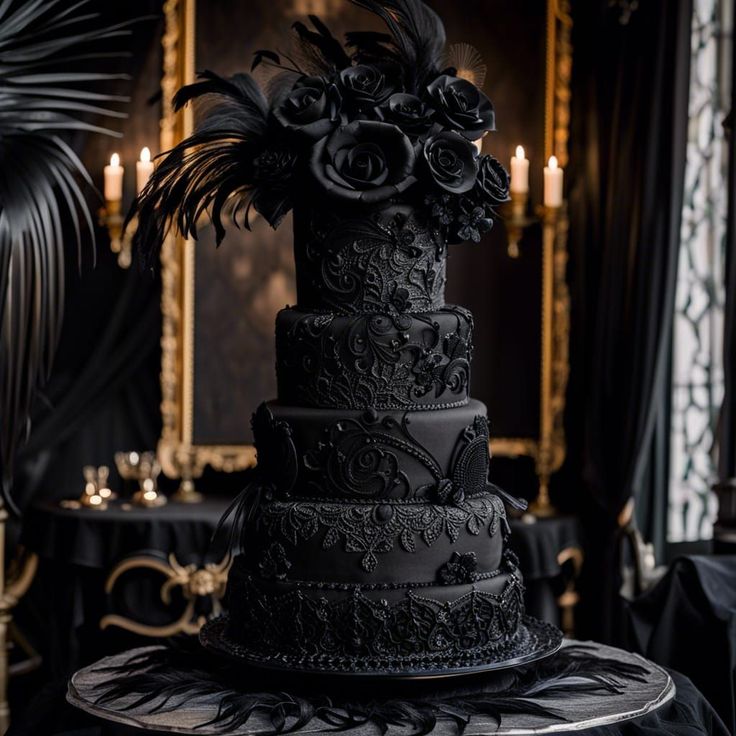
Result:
[[516, 220], [554, 380], [121, 241]]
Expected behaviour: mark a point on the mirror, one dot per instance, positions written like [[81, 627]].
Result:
[[219, 305]]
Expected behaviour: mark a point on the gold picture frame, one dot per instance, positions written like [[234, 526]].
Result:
[[179, 456], [548, 450]]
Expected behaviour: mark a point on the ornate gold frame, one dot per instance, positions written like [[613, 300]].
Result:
[[179, 457], [548, 450]]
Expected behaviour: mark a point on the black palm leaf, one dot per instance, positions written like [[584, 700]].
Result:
[[42, 204], [211, 170], [417, 39]]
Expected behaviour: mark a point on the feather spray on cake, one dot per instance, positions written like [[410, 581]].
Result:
[[369, 538], [338, 113]]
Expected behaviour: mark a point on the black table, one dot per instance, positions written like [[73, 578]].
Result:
[[688, 621], [78, 548]]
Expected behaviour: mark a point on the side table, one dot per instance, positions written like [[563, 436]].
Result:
[[78, 549]]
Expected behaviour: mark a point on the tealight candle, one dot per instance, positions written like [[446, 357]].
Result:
[[143, 169], [552, 183], [519, 172], [114, 179]]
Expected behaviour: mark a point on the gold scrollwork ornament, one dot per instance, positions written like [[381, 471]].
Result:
[[195, 583]]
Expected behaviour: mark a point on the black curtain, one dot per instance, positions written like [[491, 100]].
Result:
[[627, 159]]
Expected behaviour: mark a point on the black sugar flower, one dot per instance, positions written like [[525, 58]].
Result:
[[367, 86], [492, 186], [461, 106], [460, 569], [472, 224], [311, 108], [451, 161], [410, 113], [274, 564], [366, 161]]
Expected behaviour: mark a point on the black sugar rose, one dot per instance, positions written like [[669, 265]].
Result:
[[311, 108], [492, 187], [461, 106], [367, 86], [410, 113], [365, 161], [452, 162]]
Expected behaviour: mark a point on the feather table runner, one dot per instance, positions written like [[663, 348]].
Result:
[[184, 685]]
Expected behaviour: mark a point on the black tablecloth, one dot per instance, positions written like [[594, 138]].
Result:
[[100, 539], [537, 543], [688, 714], [688, 621]]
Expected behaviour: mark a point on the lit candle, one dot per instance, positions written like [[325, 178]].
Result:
[[114, 179], [519, 172], [143, 169], [552, 183]]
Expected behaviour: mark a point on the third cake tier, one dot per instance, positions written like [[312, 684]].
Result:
[[440, 455]]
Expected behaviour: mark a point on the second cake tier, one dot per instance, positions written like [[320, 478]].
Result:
[[383, 361]]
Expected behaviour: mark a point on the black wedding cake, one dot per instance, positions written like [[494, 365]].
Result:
[[370, 539]]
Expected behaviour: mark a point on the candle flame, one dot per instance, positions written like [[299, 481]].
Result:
[[145, 154], [552, 162], [115, 160], [519, 151]]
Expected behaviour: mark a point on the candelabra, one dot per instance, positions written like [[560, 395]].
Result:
[[517, 220], [145, 469], [121, 242], [110, 216]]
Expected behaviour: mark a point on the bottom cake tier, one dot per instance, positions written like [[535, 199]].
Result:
[[342, 627]]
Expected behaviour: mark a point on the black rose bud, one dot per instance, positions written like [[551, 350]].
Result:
[[311, 108], [461, 106], [451, 161], [274, 165], [492, 186], [366, 86], [273, 172], [412, 115], [365, 161]]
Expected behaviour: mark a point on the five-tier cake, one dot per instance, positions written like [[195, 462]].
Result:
[[370, 540]]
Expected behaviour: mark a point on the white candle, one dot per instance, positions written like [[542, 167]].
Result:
[[114, 179], [519, 172], [552, 183], [143, 169]]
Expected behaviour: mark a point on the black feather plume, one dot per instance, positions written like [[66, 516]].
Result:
[[322, 52], [213, 169], [158, 680], [417, 39]]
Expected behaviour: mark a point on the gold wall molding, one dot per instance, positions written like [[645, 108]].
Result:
[[178, 455], [548, 450]]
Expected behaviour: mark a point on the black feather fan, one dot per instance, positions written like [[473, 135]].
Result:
[[217, 168]]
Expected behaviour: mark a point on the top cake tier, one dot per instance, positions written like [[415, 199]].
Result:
[[381, 260]]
